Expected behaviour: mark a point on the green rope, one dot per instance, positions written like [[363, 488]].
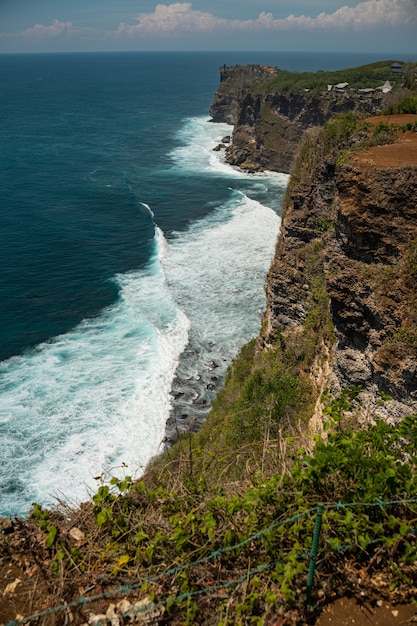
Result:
[[311, 566], [345, 505], [170, 572]]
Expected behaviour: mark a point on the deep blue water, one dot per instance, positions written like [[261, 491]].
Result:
[[130, 254]]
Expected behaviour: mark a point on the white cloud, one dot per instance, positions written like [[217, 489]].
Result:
[[368, 14], [56, 29], [177, 17], [180, 18]]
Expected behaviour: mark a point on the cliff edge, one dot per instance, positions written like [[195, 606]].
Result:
[[343, 277], [348, 242], [270, 110]]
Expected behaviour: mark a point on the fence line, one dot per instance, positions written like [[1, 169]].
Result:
[[213, 555]]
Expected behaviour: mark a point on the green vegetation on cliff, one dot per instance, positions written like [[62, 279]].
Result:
[[239, 552], [371, 76]]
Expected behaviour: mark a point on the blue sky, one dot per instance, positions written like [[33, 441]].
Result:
[[382, 26]]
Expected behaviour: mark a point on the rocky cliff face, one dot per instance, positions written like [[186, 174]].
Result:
[[268, 127], [341, 292], [349, 237], [234, 84]]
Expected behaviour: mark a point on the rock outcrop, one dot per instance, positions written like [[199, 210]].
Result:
[[268, 125], [358, 224], [234, 84], [348, 242]]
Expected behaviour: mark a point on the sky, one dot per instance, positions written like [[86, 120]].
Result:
[[380, 26]]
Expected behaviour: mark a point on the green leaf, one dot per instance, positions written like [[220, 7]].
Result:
[[334, 543], [103, 517], [141, 536], [270, 598], [50, 537], [60, 555], [123, 560]]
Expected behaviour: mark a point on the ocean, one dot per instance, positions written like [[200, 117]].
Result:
[[133, 260]]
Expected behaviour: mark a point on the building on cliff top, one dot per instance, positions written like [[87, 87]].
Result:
[[396, 68], [386, 87], [340, 87]]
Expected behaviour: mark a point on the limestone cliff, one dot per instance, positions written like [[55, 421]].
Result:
[[234, 83], [350, 232], [341, 289], [269, 124]]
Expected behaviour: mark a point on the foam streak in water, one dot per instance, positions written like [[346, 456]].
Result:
[[94, 398], [216, 270], [99, 396]]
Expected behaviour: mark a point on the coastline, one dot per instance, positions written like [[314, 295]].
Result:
[[307, 428], [193, 390]]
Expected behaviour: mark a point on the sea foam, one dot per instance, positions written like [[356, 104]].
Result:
[[92, 399], [96, 400]]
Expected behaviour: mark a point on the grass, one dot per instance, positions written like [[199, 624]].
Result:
[[372, 75], [239, 553]]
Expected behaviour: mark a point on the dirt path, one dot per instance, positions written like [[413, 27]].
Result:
[[348, 611], [403, 151]]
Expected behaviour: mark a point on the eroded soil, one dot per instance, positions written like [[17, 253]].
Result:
[[348, 611], [403, 151]]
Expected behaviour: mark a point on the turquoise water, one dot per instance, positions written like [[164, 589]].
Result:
[[133, 259]]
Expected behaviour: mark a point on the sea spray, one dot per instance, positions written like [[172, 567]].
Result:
[[94, 399], [97, 398], [216, 272]]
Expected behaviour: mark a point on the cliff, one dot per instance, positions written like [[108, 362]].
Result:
[[219, 528], [349, 237], [269, 123], [343, 276]]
